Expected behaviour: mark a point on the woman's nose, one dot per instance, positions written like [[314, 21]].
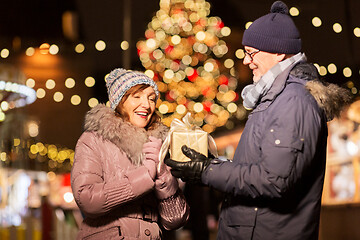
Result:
[[145, 102]]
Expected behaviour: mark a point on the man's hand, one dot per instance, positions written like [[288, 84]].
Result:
[[189, 171]]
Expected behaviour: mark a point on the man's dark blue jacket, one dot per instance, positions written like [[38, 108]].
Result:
[[274, 183]]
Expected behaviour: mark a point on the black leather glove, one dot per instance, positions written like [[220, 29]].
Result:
[[189, 171]]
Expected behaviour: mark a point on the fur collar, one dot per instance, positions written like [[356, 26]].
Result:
[[330, 97], [129, 138]]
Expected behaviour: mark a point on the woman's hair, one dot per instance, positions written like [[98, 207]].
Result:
[[119, 110]]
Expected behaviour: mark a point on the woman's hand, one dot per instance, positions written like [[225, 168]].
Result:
[[166, 185], [151, 152], [151, 149], [151, 167]]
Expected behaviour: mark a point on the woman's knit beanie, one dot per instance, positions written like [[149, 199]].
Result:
[[275, 32], [120, 80]]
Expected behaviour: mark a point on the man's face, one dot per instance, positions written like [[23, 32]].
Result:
[[260, 62]]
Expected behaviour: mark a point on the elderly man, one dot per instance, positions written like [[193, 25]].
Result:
[[274, 183]]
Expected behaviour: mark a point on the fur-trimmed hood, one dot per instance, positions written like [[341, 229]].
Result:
[[129, 138], [330, 97]]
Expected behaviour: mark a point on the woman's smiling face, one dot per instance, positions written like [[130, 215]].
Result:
[[140, 106]]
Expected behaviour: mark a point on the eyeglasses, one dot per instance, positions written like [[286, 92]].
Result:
[[251, 55]]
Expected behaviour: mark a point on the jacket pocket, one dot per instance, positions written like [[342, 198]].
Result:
[[280, 150], [110, 233], [241, 216], [240, 222], [286, 140]]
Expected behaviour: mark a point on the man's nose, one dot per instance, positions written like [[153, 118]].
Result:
[[246, 60]]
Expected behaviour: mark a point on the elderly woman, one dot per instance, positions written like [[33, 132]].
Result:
[[115, 179]]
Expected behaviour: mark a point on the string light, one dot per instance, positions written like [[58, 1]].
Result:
[[162, 24], [30, 51], [58, 96], [124, 45], [100, 45], [44, 48], [50, 84], [30, 83], [347, 72], [240, 54], [247, 25], [40, 93], [52, 154], [53, 49], [357, 32], [229, 63], [332, 68], [337, 27], [89, 81], [322, 70], [2, 117], [16, 142], [93, 102], [4, 106], [69, 82], [316, 21], [4, 53], [294, 11], [75, 100], [80, 48], [33, 128]]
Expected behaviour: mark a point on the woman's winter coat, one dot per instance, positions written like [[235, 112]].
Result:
[[114, 190], [274, 183]]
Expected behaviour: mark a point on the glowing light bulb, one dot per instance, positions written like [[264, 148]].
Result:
[[68, 197], [100, 45]]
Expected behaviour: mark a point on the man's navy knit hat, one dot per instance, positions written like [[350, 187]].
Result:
[[120, 80], [275, 32]]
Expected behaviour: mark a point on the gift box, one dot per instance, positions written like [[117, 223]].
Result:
[[195, 139], [186, 133]]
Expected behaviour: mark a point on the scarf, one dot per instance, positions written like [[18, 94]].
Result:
[[253, 92]]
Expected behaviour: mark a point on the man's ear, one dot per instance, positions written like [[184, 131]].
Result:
[[280, 57]]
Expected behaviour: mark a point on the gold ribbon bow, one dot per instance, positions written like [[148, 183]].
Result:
[[186, 126]]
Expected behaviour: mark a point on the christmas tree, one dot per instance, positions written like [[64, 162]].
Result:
[[183, 52]]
